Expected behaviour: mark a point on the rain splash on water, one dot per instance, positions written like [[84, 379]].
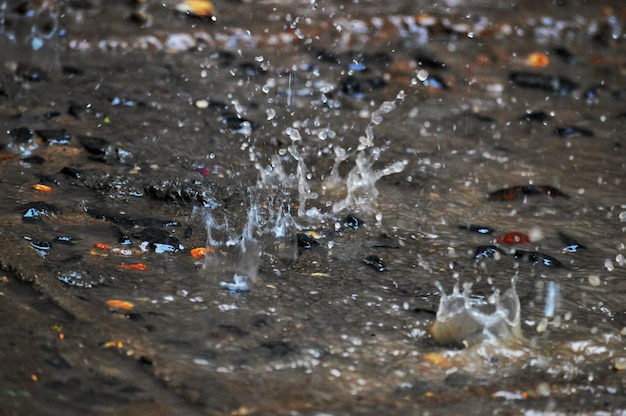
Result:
[[270, 227]]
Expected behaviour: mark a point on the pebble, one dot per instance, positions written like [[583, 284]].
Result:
[[488, 251], [573, 131], [352, 221], [58, 136], [21, 134], [480, 229], [542, 82], [571, 245], [33, 212], [515, 192], [375, 262], [536, 257]]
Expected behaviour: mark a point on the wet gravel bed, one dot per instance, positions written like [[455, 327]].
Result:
[[128, 139]]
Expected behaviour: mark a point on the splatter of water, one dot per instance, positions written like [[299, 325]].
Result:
[[463, 320]]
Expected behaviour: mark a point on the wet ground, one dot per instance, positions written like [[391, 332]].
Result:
[[136, 134]]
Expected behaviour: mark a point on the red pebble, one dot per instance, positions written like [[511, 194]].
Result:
[[204, 171], [513, 238]]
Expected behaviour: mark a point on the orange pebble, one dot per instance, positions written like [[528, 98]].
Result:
[[113, 344], [120, 304], [198, 252], [202, 8], [102, 246], [42, 188], [133, 266], [437, 359], [537, 60]]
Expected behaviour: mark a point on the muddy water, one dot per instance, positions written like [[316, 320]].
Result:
[[170, 120]]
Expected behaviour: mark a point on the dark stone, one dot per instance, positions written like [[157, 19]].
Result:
[[549, 83], [159, 240], [234, 330], [573, 131], [536, 258], [235, 122], [375, 262], [488, 251], [357, 87], [63, 239], [278, 348], [56, 136], [58, 362], [34, 160], [75, 110], [306, 241], [188, 192], [571, 245], [21, 134], [426, 61], [94, 145], [352, 221], [71, 172], [34, 211], [563, 54], [515, 192], [480, 229], [251, 69], [51, 114], [535, 116]]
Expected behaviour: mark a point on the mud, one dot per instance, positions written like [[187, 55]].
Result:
[[134, 132]]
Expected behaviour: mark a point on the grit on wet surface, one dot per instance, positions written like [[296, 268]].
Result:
[[145, 148]]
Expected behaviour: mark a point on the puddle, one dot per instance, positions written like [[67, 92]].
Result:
[[277, 194]]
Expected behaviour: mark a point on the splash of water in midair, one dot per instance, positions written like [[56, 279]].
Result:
[[463, 321], [271, 227]]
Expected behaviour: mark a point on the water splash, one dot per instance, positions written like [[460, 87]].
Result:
[[359, 186], [464, 321], [268, 229], [269, 226]]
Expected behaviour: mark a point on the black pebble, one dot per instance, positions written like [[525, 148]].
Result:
[[480, 229], [278, 348], [488, 251], [536, 257], [63, 239], [542, 82], [573, 131], [251, 69], [535, 116], [571, 245], [564, 55], [34, 160], [375, 262], [21, 134], [94, 145], [306, 241], [431, 63], [34, 211], [57, 136], [71, 172], [352, 221]]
